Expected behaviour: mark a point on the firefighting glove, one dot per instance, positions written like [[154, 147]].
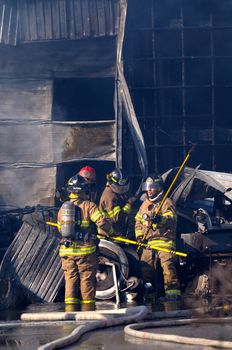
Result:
[[157, 219], [107, 237], [132, 200], [140, 239], [141, 242]]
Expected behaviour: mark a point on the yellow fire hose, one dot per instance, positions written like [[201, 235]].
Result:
[[52, 224], [147, 246], [129, 241]]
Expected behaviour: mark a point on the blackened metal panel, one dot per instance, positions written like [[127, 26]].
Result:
[[56, 20], [93, 17], [53, 144], [69, 59], [78, 18], [69, 141], [24, 142], [40, 20], [32, 263], [8, 22], [47, 20], [101, 17], [116, 11], [67, 19], [85, 18], [27, 185], [32, 17], [63, 20], [71, 22], [24, 27], [109, 15], [21, 99]]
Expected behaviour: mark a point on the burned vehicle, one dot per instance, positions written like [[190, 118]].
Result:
[[204, 207]]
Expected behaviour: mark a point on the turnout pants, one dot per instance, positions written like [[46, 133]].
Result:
[[80, 278], [167, 261]]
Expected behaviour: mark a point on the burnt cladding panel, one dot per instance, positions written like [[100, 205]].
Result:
[[25, 112], [67, 19], [94, 17], [47, 10], [55, 19], [40, 20], [8, 22]]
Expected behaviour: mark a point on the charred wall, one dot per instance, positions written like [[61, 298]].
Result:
[[57, 77], [177, 56]]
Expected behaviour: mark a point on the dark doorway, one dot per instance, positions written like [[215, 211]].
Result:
[[88, 99], [83, 99]]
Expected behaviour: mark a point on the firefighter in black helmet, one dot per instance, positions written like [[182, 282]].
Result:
[[114, 201], [158, 230], [78, 247]]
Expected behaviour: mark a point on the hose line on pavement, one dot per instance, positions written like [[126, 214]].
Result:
[[132, 315], [134, 330], [109, 318]]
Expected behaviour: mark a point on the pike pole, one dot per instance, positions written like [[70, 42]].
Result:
[[172, 184], [175, 178]]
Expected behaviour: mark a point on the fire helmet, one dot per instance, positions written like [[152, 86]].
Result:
[[88, 173], [118, 181], [77, 184], [153, 181]]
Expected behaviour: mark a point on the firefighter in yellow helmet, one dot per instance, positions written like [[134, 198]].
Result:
[[77, 218], [158, 230], [114, 202], [89, 174]]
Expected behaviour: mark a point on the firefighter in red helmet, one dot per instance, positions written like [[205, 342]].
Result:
[[89, 174], [76, 219], [158, 230]]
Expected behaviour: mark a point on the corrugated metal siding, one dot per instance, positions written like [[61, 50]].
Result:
[[67, 19], [32, 263], [8, 22]]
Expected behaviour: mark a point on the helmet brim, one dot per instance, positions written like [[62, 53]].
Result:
[[151, 186], [120, 189]]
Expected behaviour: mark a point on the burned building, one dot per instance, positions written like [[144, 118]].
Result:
[[65, 102], [58, 71], [63, 94]]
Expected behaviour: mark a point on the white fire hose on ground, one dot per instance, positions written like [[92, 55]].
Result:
[[103, 321], [134, 330], [110, 318]]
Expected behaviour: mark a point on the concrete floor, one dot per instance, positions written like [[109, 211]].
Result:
[[30, 337]]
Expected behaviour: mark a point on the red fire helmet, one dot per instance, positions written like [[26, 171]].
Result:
[[88, 173]]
